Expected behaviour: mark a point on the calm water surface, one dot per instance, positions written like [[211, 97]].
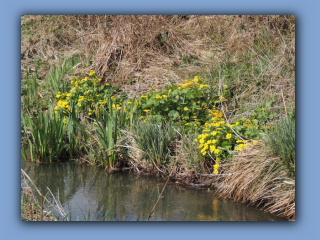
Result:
[[130, 197]]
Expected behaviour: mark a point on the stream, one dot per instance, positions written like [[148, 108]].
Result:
[[130, 197]]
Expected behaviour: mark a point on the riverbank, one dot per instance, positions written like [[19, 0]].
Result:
[[198, 98]]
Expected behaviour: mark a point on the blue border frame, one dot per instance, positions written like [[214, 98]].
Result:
[[307, 37]]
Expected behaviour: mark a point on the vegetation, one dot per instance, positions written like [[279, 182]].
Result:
[[281, 141], [120, 98]]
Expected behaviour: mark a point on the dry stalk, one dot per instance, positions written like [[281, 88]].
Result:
[[154, 207]]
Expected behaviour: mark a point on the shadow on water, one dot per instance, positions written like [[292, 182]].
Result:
[[130, 197]]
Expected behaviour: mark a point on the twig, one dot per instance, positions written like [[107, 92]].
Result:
[[150, 214], [214, 175], [24, 173], [285, 108], [59, 206]]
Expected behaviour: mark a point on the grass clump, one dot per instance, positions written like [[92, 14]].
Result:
[[280, 140], [103, 150], [155, 139], [259, 179]]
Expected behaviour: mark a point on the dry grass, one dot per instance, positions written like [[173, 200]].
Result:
[[259, 180], [144, 47]]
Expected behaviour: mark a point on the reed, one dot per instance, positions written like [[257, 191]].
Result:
[[47, 131], [105, 137]]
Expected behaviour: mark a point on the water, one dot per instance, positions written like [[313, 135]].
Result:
[[130, 197]]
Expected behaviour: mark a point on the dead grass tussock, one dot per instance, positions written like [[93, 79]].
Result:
[[259, 180], [145, 47]]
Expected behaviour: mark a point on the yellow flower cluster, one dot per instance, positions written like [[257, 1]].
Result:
[[86, 93], [216, 166], [248, 123], [62, 105], [217, 137], [189, 83], [241, 145]]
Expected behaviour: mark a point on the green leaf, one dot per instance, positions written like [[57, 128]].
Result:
[[173, 114], [226, 145]]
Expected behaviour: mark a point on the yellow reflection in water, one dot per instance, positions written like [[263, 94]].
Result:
[[202, 217], [215, 209]]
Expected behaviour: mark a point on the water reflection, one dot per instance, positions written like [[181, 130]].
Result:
[[130, 197]]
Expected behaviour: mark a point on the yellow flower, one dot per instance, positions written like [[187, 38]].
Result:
[[214, 133], [217, 160], [212, 148], [215, 168], [216, 151], [254, 142], [186, 109], [228, 136], [64, 120], [187, 124]]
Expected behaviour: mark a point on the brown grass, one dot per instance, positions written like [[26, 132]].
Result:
[[145, 47], [259, 180]]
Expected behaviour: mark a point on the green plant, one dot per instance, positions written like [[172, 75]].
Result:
[[57, 75], [263, 113], [187, 103], [280, 139], [88, 95], [107, 134], [29, 91], [154, 138], [47, 142]]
